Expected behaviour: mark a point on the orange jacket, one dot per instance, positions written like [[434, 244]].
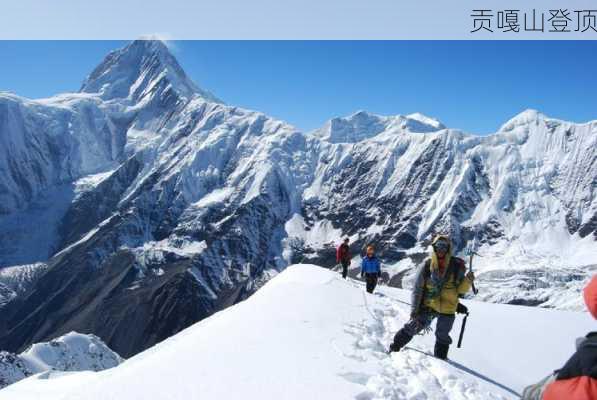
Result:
[[579, 388], [577, 380]]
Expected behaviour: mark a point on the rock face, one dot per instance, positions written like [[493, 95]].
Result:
[[147, 204], [71, 352]]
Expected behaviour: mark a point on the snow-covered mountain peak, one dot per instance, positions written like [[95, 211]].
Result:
[[363, 125], [141, 68], [351, 129], [72, 348], [528, 116], [71, 352], [425, 121]]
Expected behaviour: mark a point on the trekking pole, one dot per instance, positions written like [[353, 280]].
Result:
[[462, 327]]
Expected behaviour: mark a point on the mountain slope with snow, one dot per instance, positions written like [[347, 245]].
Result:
[[148, 204], [189, 220], [71, 352], [309, 334], [527, 194], [18, 280]]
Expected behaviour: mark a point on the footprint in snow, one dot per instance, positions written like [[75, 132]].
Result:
[[410, 374]]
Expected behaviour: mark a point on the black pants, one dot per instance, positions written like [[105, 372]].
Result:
[[345, 265], [371, 279], [443, 325]]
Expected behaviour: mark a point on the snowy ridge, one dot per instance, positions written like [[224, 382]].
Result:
[[332, 345], [71, 352], [363, 125]]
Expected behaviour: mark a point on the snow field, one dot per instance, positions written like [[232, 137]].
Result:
[[310, 334]]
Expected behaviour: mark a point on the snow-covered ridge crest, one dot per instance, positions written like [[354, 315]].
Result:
[[363, 125], [323, 337], [530, 118], [526, 117]]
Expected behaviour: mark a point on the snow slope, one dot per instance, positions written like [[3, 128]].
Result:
[[71, 352], [308, 334]]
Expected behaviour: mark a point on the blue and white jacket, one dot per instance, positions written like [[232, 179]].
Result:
[[370, 265]]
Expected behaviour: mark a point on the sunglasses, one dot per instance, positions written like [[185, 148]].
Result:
[[441, 246]]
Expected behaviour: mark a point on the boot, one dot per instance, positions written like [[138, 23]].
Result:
[[441, 350], [400, 340]]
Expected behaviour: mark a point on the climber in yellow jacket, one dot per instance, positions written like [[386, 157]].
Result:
[[439, 283]]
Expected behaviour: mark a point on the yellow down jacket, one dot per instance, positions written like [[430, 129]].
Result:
[[440, 292], [447, 299]]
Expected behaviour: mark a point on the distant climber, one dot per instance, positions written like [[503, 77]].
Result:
[[343, 256], [370, 268], [439, 283], [577, 379]]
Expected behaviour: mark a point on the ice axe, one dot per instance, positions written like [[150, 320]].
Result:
[[462, 309], [471, 250]]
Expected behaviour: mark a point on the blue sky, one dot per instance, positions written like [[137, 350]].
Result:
[[471, 85]]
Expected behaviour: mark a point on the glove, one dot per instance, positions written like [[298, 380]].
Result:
[[470, 275], [461, 309]]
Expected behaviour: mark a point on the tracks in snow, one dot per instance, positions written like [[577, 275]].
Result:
[[412, 373]]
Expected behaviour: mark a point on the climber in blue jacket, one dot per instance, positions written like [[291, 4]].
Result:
[[370, 268]]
